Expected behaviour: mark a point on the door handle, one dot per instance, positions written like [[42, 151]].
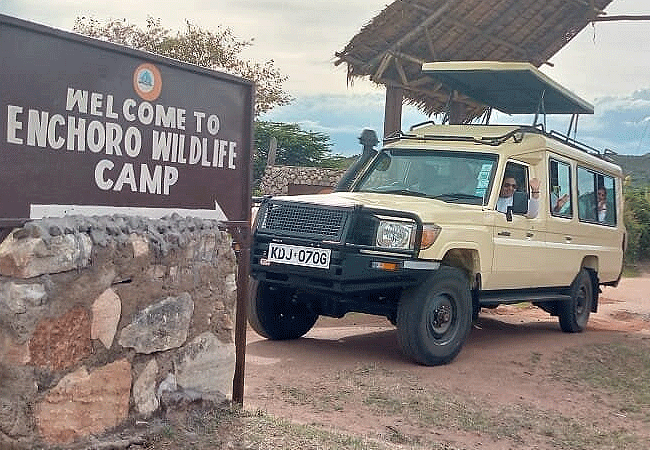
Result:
[[568, 238], [504, 233], [530, 234]]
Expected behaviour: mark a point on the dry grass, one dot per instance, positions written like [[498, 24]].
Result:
[[615, 375], [237, 429]]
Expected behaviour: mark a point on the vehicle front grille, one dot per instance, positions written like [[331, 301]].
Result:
[[297, 219]]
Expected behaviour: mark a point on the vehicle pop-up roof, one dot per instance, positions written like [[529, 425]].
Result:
[[514, 88], [510, 87]]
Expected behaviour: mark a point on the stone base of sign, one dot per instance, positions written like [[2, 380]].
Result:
[[105, 320]]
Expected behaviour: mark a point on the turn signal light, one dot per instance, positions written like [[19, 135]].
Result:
[[389, 266], [429, 235]]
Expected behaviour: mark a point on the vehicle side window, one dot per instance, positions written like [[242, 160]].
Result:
[[560, 189], [596, 195], [606, 195], [515, 179]]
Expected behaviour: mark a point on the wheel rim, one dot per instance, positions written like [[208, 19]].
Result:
[[287, 309], [289, 313], [441, 318], [581, 301]]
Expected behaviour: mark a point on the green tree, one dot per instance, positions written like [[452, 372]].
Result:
[[637, 223], [219, 50], [296, 147]]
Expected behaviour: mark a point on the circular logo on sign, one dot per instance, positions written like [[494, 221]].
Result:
[[147, 81]]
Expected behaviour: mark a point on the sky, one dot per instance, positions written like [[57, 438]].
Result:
[[607, 64]]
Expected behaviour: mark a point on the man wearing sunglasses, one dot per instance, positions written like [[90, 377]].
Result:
[[508, 189]]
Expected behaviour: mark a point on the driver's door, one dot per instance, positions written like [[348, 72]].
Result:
[[517, 243]]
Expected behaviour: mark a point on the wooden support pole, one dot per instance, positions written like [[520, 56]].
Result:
[[393, 110], [619, 18], [273, 149], [240, 232], [456, 112]]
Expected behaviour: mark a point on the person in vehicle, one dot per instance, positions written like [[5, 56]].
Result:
[[558, 203], [464, 180], [602, 204], [508, 189]]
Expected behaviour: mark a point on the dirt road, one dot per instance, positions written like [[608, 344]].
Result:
[[349, 374]]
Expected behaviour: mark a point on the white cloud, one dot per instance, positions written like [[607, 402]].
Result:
[[610, 58], [624, 103], [315, 125], [607, 64], [301, 37]]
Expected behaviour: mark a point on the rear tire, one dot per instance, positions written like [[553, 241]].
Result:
[[434, 319], [574, 314], [276, 313]]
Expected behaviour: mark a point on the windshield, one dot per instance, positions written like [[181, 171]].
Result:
[[451, 176]]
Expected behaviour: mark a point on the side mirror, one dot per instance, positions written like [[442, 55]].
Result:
[[520, 203]]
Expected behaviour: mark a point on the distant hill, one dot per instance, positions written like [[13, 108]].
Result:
[[636, 167]]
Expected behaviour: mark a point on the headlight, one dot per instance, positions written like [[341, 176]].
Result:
[[395, 235]]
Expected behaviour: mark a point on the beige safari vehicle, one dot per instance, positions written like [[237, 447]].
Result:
[[418, 237]]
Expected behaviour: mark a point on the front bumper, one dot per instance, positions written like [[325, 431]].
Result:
[[352, 271]]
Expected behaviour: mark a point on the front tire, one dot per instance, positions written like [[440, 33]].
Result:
[[574, 314], [434, 319], [276, 313]]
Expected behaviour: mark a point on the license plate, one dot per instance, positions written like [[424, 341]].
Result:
[[299, 256]]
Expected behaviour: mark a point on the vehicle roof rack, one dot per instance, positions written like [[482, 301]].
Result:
[[516, 134]]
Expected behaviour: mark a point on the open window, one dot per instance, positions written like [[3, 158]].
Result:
[[596, 194], [560, 189], [514, 189]]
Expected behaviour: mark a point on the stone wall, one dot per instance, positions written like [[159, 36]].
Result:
[[278, 179], [105, 320]]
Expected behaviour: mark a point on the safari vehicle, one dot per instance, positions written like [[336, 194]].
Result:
[[417, 237]]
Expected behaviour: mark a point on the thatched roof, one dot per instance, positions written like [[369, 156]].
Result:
[[391, 49]]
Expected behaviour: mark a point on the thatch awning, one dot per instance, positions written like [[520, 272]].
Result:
[[391, 49]]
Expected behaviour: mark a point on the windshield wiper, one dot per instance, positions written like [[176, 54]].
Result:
[[457, 196], [402, 192]]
